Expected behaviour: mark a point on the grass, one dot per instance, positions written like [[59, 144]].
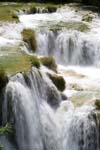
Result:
[[15, 63]]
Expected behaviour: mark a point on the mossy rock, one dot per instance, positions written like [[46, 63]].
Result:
[[35, 61], [15, 16], [72, 25], [97, 104], [58, 81], [30, 38], [3, 79], [51, 8], [49, 62], [87, 18]]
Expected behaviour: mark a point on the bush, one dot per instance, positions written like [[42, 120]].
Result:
[[58, 81], [49, 62], [34, 61], [29, 38], [3, 79]]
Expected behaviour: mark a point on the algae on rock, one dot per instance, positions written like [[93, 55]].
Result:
[[30, 38], [49, 62]]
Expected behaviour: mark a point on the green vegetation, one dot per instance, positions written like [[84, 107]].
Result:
[[1, 147], [6, 130], [49, 62], [58, 81], [7, 13], [34, 61], [73, 25], [30, 38], [97, 104], [15, 63], [3, 79]]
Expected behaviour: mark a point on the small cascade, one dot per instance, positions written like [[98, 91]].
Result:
[[70, 47], [80, 130]]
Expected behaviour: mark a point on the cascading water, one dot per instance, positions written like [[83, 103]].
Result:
[[32, 102], [38, 126], [30, 113]]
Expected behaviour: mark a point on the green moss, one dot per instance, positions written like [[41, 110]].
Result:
[[34, 61], [1, 147], [97, 104], [14, 63], [73, 25], [6, 130], [49, 62], [30, 38], [3, 79], [6, 13], [58, 81], [51, 8]]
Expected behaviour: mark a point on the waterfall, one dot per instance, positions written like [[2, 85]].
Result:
[[70, 47], [27, 112], [32, 103], [40, 127]]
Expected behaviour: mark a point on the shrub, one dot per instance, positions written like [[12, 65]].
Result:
[[49, 62], [29, 38]]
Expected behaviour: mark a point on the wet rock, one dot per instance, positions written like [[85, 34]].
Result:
[[58, 81], [29, 37], [49, 62], [63, 97]]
